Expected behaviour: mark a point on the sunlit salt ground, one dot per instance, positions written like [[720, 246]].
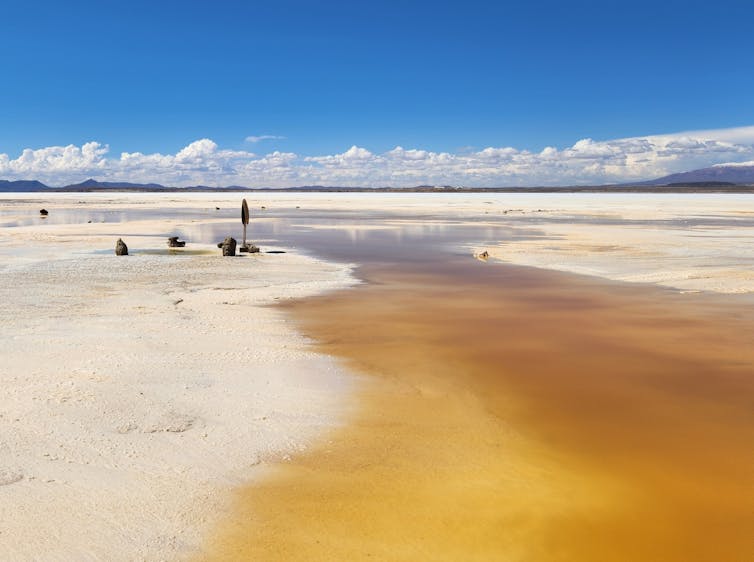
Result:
[[688, 242], [692, 242], [137, 392]]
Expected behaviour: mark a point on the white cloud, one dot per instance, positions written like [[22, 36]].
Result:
[[203, 162], [734, 164], [260, 138]]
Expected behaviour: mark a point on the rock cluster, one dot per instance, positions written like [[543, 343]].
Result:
[[248, 249]]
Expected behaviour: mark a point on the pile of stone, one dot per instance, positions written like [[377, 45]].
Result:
[[249, 249]]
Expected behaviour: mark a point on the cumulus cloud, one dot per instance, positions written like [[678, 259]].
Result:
[[586, 161], [260, 138], [56, 159]]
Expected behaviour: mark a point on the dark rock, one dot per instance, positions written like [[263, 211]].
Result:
[[120, 248], [217, 208], [43, 212], [173, 242], [229, 246], [249, 249]]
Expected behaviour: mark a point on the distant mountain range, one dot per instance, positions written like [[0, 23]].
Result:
[[94, 184], [21, 186], [724, 177], [731, 174]]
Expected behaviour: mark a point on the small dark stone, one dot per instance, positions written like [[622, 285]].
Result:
[[217, 208], [229, 246], [43, 212], [248, 249], [120, 248], [173, 242]]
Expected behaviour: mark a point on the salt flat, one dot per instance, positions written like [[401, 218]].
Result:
[[139, 391]]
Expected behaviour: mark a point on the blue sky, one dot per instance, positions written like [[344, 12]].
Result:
[[153, 77]]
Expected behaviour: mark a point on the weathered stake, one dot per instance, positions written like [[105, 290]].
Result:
[[244, 219]]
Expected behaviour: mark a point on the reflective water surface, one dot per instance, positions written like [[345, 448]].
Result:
[[515, 414]]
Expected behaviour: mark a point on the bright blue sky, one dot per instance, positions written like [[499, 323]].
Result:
[[154, 76]]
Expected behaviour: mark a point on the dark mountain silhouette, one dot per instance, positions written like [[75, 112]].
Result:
[[94, 184], [19, 186]]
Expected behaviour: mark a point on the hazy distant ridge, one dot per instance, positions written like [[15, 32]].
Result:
[[735, 174], [94, 184], [734, 177], [21, 186]]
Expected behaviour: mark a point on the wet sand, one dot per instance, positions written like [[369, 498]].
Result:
[[518, 414]]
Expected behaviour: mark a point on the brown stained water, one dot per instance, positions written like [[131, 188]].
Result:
[[516, 414]]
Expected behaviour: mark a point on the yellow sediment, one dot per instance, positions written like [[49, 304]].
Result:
[[513, 414]]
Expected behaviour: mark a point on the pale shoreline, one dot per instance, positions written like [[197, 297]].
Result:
[[689, 242], [140, 391]]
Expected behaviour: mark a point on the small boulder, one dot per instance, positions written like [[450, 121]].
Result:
[[249, 249], [173, 242], [229, 246], [44, 212], [120, 248]]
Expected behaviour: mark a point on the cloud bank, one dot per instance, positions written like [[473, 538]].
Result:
[[203, 162]]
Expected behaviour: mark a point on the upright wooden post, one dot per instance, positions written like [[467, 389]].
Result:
[[244, 219]]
